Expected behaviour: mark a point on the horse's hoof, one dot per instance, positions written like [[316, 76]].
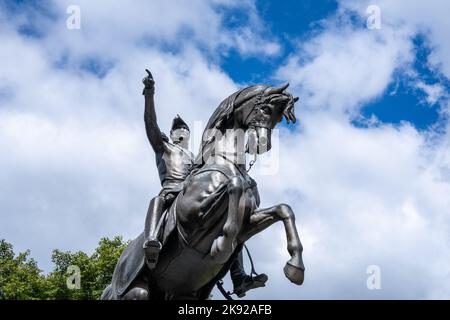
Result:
[[294, 274]]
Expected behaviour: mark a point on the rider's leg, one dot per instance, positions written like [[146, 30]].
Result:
[[237, 270], [154, 212], [152, 245], [241, 281]]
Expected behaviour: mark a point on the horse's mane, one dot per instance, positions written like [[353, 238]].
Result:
[[222, 115]]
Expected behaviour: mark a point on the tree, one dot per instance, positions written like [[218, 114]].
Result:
[[104, 260], [20, 277], [95, 270]]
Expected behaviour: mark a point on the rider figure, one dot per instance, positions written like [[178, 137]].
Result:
[[174, 162]]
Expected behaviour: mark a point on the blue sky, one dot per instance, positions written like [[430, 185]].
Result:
[[366, 166], [403, 103], [293, 21], [290, 20]]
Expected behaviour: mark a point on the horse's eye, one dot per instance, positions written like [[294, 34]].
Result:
[[267, 110]]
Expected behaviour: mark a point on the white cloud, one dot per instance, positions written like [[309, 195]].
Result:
[[110, 29], [361, 197], [429, 17], [341, 69], [434, 92]]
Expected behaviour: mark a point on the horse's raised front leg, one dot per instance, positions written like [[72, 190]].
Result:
[[262, 219], [224, 245]]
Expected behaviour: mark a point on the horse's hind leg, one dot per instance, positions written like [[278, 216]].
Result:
[[224, 245]]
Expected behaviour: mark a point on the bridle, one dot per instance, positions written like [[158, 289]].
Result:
[[257, 106]]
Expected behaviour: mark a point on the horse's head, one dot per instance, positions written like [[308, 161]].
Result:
[[258, 109]]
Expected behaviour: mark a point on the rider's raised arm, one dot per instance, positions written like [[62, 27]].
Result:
[[154, 134]]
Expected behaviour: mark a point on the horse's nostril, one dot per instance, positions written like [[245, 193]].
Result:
[[181, 138]]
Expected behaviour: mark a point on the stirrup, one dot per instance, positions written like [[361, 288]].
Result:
[[249, 283]]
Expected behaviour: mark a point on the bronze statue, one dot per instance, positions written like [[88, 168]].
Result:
[[174, 162], [197, 225]]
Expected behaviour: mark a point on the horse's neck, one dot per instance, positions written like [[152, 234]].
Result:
[[231, 148]]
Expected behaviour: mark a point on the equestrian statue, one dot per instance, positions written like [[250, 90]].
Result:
[[208, 206]]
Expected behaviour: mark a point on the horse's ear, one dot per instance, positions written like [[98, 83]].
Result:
[[275, 90], [279, 98], [296, 99]]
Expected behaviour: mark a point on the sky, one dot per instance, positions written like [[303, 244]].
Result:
[[366, 168]]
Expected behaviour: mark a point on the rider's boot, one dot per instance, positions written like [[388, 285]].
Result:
[[152, 245], [243, 282]]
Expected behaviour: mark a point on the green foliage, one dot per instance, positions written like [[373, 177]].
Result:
[[20, 277]]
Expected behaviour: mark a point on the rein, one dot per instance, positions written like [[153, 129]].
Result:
[[252, 162], [250, 165]]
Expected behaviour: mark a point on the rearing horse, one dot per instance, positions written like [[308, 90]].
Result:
[[218, 209]]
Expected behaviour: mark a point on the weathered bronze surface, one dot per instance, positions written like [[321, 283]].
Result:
[[208, 206]]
